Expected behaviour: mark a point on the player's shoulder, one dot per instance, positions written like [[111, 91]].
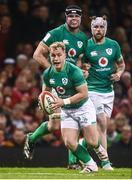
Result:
[[72, 68], [57, 29], [111, 41], [90, 42], [47, 71], [83, 35]]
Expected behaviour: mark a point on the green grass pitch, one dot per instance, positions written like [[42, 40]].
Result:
[[62, 173]]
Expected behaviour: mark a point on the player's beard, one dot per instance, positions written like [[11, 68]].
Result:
[[98, 37]]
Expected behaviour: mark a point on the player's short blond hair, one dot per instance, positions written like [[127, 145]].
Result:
[[57, 45]]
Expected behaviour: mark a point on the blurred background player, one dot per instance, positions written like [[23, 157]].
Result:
[[69, 33], [106, 67]]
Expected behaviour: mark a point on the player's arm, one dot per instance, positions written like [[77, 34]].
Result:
[[85, 62], [80, 85], [120, 67], [46, 88], [41, 55], [82, 93], [119, 62], [85, 68]]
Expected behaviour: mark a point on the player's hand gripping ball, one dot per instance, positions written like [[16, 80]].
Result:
[[45, 100]]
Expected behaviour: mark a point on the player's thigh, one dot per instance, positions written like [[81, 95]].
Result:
[[69, 128], [102, 118], [96, 98], [86, 114], [103, 102], [108, 104], [88, 122], [68, 119], [90, 133]]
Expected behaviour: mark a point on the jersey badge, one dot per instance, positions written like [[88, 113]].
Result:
[[103, 61], [60, 90], [109, 51], [93, 53], [71, 52], [65, 41], [80, 44], [64, 81]]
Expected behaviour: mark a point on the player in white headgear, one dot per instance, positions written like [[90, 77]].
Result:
[[103, 54], [99, 27]]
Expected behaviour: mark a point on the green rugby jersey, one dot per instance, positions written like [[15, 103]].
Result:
[[75, 43], [65, 81], [102, 58]]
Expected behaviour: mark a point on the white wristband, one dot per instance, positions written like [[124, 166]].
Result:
[[66, 101]]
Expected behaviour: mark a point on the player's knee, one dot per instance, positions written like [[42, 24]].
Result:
[[70, 144], [93, 142]]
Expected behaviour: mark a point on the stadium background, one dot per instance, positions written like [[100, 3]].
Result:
[[23, 23]]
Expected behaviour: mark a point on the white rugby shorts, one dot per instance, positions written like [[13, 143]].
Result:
[[80, 117], [103, 102]]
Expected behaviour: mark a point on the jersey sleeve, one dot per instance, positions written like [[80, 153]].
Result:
[[78, 78], [118, 55], [48, 39], [45, 78]]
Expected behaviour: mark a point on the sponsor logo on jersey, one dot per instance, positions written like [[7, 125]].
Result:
[[71, 52], [80, 44], [109, 51], [52, 81], [46, 37], [60, 90], [93, 53], [64, 81], [103, 61], [103, 69], [65, 41]]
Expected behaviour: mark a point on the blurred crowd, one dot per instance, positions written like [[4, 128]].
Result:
[[23, 23]]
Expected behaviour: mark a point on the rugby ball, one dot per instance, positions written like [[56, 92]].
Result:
[[45, 101]]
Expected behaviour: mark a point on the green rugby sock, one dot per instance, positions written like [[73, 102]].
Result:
[[39, 132], [71, 158], [82, 154]]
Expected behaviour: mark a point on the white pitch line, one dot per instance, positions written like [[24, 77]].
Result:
[[61, 174]]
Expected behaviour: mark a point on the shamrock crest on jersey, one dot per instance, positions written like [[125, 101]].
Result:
[[109, 51], [80, 44], [64, 81]]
